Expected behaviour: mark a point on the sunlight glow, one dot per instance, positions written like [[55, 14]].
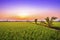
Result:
[[23, 14]]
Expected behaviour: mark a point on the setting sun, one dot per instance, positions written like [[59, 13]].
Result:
[[23, 15]]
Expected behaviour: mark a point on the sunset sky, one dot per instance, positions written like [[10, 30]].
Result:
[[29, 9]]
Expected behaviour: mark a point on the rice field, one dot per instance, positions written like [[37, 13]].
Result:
[[57, 24], [27, 31]]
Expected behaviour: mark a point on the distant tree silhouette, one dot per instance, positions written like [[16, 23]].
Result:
[[27, 21], [6, 20], [35, 21]]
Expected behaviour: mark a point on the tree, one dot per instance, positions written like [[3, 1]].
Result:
[[49, 21], [36, 21]]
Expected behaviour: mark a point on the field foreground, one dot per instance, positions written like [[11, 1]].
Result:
[[27, 31]]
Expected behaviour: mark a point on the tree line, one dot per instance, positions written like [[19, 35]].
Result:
[[48, 21]]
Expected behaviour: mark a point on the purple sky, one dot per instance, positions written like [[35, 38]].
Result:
[[35, 8]]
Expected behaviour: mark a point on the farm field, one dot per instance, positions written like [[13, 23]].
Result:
[[27, 31], [57, 24]]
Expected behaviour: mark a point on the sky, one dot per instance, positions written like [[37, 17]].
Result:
[[29, 9]]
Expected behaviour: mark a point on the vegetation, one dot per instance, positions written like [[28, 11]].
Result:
[[27, 31], [49, 21], [35, 21]]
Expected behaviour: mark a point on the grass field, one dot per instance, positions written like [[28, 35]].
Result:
[[57, 24], [27, 31]]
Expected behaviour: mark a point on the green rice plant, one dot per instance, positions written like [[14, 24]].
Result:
[[27, 31]]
